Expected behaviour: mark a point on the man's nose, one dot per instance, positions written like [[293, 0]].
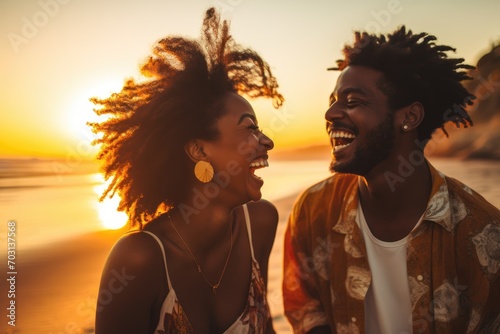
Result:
[[333, 112]]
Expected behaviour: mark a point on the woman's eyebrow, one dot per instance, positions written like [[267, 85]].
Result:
[[252, 117]]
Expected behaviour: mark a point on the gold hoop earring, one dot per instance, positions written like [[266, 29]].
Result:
[[204, 171]]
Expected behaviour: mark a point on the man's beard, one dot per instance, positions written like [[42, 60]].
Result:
[[380, 142]]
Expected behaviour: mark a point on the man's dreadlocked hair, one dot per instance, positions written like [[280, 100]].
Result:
[[142, 143], [415, 69]]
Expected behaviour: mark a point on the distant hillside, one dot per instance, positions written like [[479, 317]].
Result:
[[482, 141], [315, 152]]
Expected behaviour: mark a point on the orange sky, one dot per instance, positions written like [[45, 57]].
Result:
[[55, 54]]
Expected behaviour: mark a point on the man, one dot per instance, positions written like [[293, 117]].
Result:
[[388, 244]]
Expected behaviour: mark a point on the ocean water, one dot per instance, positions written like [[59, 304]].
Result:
[[49, 202]]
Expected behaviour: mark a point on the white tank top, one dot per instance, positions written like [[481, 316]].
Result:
[[388, 306]]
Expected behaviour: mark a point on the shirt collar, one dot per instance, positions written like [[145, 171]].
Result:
[[440, 206]]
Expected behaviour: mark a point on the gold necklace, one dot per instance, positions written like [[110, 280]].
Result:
[[198, 267]]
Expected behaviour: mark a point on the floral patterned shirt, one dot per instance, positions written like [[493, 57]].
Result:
[[453, 260]]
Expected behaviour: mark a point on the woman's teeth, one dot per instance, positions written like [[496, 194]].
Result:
[[259, 163]]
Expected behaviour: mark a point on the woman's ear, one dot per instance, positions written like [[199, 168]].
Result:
[[411, 116], [194, 150]]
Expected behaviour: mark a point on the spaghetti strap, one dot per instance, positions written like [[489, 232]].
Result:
[[254, 316], [164, 256], [249, 229]]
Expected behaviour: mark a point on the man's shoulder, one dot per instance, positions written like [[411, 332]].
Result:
[[476, 225], [336, 185], [474, 202], [335, 182]]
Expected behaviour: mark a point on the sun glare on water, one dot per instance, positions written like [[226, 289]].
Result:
[[110, 217]]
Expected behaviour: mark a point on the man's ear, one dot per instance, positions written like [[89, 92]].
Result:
[[411, 116], [194, 150]]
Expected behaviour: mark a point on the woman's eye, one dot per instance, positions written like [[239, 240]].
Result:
[[254, 127]]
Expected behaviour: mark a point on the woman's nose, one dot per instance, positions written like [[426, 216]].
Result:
[[266, 141]]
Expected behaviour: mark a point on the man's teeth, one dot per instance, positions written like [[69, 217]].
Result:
[[341, 134], [339, 147], [259, 163]]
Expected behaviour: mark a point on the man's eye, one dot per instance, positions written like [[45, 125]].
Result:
[[254, 127], [352, 103]]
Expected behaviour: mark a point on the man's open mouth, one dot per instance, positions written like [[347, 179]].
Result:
[[341, 139]]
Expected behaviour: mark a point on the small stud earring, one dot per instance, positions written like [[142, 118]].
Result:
[[405, 127]]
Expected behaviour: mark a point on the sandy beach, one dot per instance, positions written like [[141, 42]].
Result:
[[57, 284]]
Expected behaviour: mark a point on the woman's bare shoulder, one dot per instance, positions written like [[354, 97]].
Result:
[[263, 212], [264, 221], [132, 282], [135, 248]]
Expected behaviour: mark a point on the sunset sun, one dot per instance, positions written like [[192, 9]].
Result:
[[110, 217]]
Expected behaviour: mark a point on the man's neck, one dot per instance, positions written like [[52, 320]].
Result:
[[392, 210]]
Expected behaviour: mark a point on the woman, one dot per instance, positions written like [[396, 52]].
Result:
[[181, 150]]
